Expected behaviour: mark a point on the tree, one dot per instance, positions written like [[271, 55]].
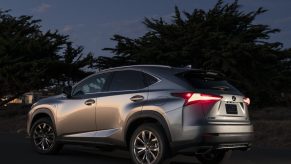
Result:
[[72, 65], [29, 57], [224, 39]]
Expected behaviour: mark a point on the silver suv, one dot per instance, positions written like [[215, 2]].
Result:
[[153, 111]]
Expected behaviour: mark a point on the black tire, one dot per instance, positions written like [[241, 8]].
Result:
[[158, 141], [43, 137], [214, 157]]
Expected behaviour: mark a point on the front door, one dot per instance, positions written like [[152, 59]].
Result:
[[76, 115]]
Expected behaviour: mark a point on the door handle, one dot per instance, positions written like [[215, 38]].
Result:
[[136, 98], [90, 102]]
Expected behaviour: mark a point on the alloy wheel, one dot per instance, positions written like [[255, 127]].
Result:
[[146, 147], [44, 136]]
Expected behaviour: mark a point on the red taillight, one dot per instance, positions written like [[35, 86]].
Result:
[[192, 98], [247, 100], [186, 95]]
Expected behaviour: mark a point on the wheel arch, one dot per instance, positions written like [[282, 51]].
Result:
[[38, 114], [142, 117]]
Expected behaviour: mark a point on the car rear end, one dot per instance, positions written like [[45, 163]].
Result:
[[215, 114]]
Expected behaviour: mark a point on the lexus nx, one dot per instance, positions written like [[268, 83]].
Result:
[[152, 111]]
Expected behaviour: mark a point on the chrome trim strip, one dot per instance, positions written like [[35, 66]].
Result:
[[94, 134]]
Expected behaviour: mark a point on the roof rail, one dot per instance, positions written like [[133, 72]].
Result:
[[129, 66]]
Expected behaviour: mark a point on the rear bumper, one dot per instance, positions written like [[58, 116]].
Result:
[[222, 138], [217, 137], [216, 134]]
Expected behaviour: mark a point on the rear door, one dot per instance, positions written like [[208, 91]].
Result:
[[125, 95]]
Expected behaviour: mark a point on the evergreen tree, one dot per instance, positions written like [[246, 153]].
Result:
[[31, 59], [224, 38]]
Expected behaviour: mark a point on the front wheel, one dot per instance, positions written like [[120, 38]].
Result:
[[43, 137], [148, 145], [214, 157]]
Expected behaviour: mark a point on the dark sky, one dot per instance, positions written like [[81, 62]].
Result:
[[91, 23]]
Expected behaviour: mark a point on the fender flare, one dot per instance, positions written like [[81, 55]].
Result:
[[149, 114], [37, 112]]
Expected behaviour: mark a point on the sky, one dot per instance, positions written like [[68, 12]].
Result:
[[91, 23]]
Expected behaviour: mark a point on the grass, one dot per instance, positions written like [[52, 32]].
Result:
[[275, 133], [272, 125], [13, 118]]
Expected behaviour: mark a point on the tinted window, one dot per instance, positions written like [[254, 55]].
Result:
[[127, 80], [91, 85], [206, 80], [149, 80]]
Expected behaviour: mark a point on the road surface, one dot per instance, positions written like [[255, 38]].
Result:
[[15, 149]]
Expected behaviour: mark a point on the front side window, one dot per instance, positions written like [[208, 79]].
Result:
[[91, 85], [127, 80]]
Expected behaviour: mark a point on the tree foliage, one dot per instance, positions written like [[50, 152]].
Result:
[[224, 38], [31, 59]]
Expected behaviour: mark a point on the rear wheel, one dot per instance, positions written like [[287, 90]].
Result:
[[214, 157], [148, 145], [43, 136]]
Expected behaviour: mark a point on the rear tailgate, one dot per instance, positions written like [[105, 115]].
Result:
[[231, 107]]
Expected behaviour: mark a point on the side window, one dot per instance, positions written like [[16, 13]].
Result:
[[127, 80], [149, 80], [91, 85]]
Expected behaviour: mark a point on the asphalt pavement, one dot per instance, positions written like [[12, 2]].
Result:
[[16, 149]]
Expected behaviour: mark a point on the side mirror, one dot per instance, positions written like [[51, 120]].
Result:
[[67, 90]]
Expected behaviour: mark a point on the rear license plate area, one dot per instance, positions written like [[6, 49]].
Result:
[[231, 108]]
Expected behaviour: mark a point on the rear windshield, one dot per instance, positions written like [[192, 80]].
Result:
[[206, 80]]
